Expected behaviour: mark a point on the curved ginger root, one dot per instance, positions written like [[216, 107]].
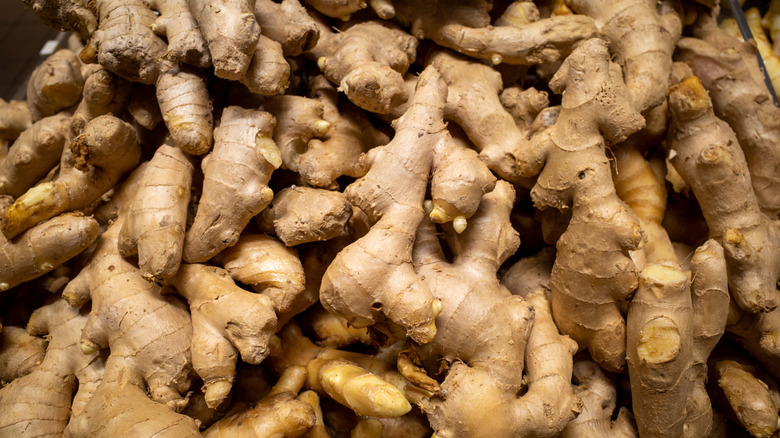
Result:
[[55, 85]]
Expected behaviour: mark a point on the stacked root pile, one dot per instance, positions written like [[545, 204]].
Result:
[[393, 218]]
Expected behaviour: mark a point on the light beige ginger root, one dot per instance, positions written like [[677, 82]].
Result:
[[143, 107], [341, 9], [574, 175], [15, 117], [643, 48], [710, 299], [753, 396], [235, 185], [93, 163], [374, 277], [124, 42], [332, 330], [149, 335], [20, 353], [372, 79], [41, 402], [367, 385], [185, 106], [659, 349], [304, 214], [33, 154], [298, 121], [281, 413], [79, 16], [728, 69], [156, 220], [271, 269], [350, 134], [179, 28], [485, 375], [231, 32], [268, 72], [44, 247], [55, 85], [599, 399], [464, 26], [708, 157], [219, 333], [530, 273]]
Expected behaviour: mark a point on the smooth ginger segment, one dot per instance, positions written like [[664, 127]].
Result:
[[55, 85], [15, 117], [94, 162], [361, 391], [231, 32], [154, 229], [305, 214], [20, 354], [235, 185], [750, 397], [185, 106]]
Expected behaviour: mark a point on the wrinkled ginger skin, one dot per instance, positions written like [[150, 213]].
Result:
[[15, 117], [642, 39], [305, 214], [574, 173], [44, 247], [374, 276], [149, 335], [55, 85], [93, 163], [371, 79], [727, 68], [186, 107], [177, 25], [464, 26], [708, 157], [235, 185], [155, 223], [42, 402], [659, 349], [79, 16], [218, 333], [104, 93], [288, 24], [231, 31], [21, 353], [33, 154], [124, 42], [298, 121], [750, 398]]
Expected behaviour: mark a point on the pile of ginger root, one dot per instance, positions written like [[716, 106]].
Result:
[[387, 218]]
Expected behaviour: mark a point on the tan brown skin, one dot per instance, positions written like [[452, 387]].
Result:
[[486, 363], [218, 332], [177, 25], [705, 145], [341, 9], [268, 73], [372, 80], [728, 70], [272, 269], [124, 42], [185, 106], [753, 398], [304, 214], [235, 186], [155, 223], [287, 23], [599, 398], [104, 93], [93, 163], [33, 154], [149, 335], [298, 121], [15, 117], [55, 85], [373, 278], [79, 16], [44, 247], [574, 174], [350, 134], [464, 26], [41, 402], [231, 32], [20, 353], [643, 40], [281, 413]]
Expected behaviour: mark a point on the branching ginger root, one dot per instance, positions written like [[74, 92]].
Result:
[[486, 376], [235, 186], [93, 163], [374, 276], [41, 402], [707, 156], [55, 85], [104, 93], [574, 173], [231, 32], [288, 24], [178, 26]]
